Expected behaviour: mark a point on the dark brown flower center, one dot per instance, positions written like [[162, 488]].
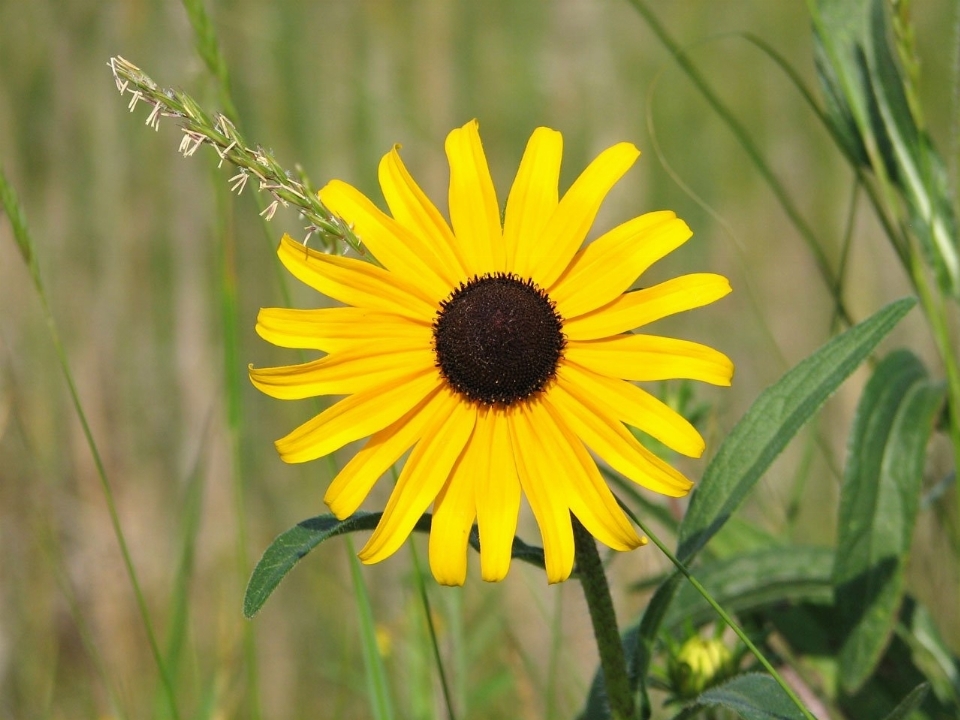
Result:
[[498, 339]]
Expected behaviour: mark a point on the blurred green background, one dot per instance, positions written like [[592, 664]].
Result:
[[129, 240]]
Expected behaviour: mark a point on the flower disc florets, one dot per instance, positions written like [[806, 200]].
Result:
[[498, 339]]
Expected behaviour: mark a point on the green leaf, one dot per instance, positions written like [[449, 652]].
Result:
[[879, 501], [910, 703], [755, 580], [928, 651], [289, 547], [770, 423], [752, 696]]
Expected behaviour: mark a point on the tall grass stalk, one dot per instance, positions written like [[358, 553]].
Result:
[[11, 205], [428, 618]]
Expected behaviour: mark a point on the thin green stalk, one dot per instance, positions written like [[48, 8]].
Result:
[[743, 137], [21, 233], [556, 642], [229, 320], [378, 689], [723, 616], [51, 546], [425, 601], [937, 315], [596, 590], [377, 686]]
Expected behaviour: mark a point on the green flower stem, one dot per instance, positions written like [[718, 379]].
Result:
[[597, 592], [725, 617]]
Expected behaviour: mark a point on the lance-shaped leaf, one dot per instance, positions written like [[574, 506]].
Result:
[[752, 696], [770, 423], [879, 501], [291, 546]]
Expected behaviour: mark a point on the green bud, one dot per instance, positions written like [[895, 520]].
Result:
[[699, 664]]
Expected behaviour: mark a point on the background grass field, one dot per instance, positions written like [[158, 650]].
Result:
[[143, 253]]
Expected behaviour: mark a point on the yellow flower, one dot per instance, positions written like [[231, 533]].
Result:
[[499, 353]]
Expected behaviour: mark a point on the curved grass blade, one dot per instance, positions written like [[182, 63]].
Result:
[[879, 501], [770, 423], [291, 546], [740, 132]]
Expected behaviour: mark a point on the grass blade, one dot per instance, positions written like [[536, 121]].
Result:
[[14, 211]]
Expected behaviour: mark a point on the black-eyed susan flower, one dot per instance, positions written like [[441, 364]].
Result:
[[502, 354]]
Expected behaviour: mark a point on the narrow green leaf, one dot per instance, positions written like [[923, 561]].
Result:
[[752, 696], [910, 703], [929, 652], [879, 501], [289, 547], [770, 423], [755, 580]]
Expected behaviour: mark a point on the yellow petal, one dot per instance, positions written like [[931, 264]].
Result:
[[609, 439], [355, 282], [423, 475], [355, 417], [649, 357], [572, 469], [357, 369], [549, 506], [634, 406], [339, 328], [568, 226], [635, 309], [610, 264], [533, 198], [498, 494], [474, 211], [395, 247], [352, 484], [410, 206], [453, 514]]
